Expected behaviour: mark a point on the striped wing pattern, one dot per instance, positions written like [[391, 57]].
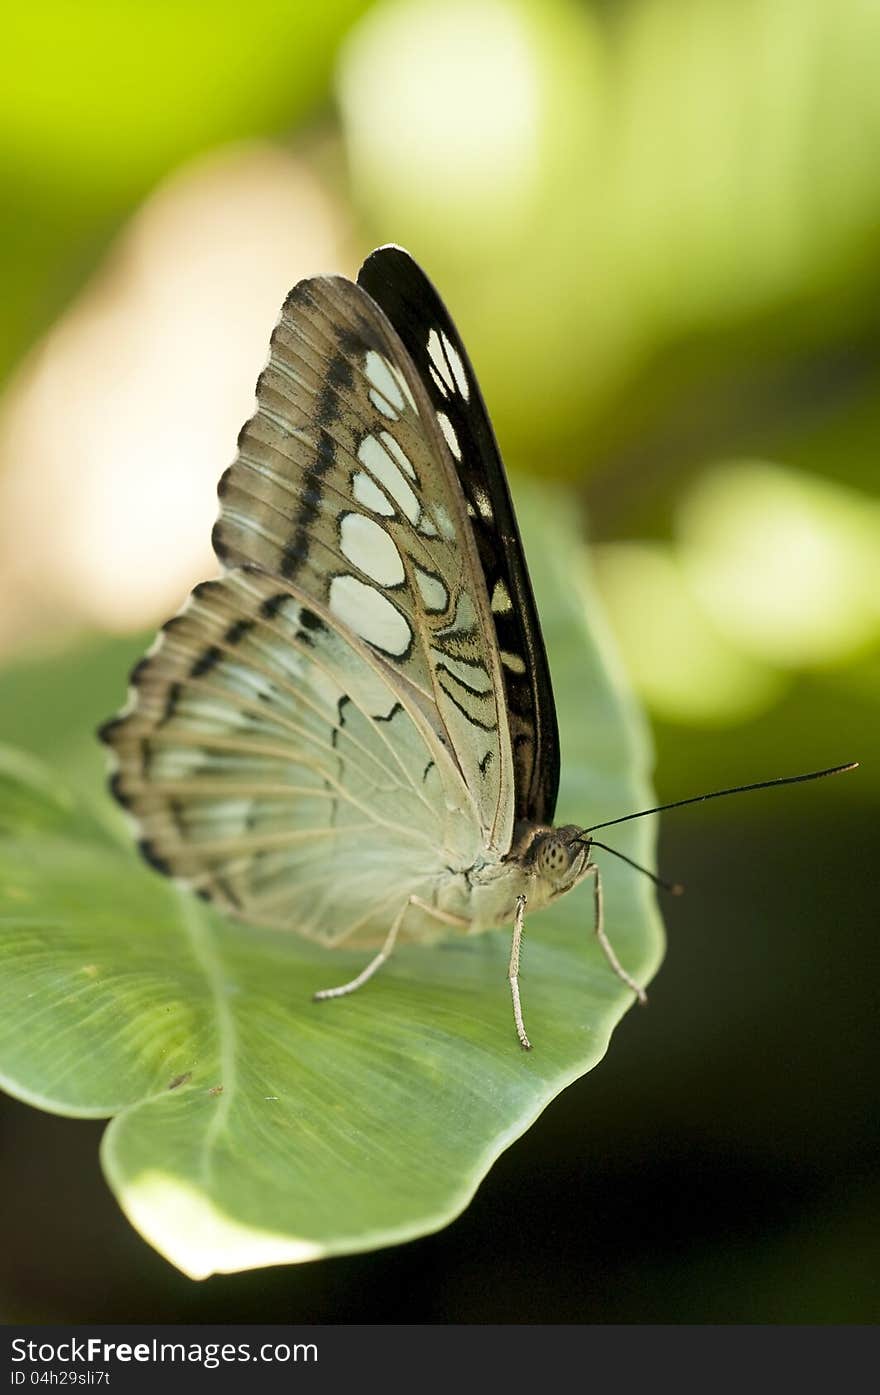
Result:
[[275, 765]]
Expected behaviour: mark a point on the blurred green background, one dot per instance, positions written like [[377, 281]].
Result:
[[657, 223]]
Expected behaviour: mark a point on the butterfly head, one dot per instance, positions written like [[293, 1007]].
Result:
[[560, 856]]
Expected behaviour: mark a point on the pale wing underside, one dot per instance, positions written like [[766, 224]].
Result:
[[345, 485], [279, 767]]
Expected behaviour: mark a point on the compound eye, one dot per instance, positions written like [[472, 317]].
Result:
[[554, 857]]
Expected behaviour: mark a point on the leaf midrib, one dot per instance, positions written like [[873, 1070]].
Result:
[[207, 957]]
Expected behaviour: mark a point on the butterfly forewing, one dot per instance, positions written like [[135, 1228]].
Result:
[[345, 485], [280, 768], [396, 283]]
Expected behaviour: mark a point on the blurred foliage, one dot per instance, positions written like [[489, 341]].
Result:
[[99, 100], [657, 223], [703, 192]]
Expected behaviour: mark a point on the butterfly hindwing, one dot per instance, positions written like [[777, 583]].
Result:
[[277, 767], [396, 283]]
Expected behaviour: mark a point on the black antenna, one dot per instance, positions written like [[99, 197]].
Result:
[[717, 794], [675, 888]]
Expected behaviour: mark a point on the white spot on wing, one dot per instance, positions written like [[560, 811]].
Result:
[[372, 550], [383, 378], [382, 405], [438, 358], [457, 367], [433, 591], [512, 661], [440, 385], [473, 676], [397, 451], [367, 492], [444, 522], [376, 458], [449, 432], [370, 614]]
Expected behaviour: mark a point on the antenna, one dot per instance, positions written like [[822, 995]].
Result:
[[718, 794], [675, 888]]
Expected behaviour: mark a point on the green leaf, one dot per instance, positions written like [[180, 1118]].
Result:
[[253, 1126], [29, 797]]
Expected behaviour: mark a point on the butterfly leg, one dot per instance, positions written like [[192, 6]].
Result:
[[513, 972], [384, 953], [606, 943]]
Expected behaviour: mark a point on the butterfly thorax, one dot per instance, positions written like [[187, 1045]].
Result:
[[542, 864]]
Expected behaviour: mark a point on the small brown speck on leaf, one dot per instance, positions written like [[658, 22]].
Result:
[[216, 1090], [180, 1080]]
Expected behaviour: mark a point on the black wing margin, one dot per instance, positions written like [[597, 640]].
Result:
[[402, 290]]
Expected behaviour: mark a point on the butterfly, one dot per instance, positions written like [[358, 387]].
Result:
[[351, 734]]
